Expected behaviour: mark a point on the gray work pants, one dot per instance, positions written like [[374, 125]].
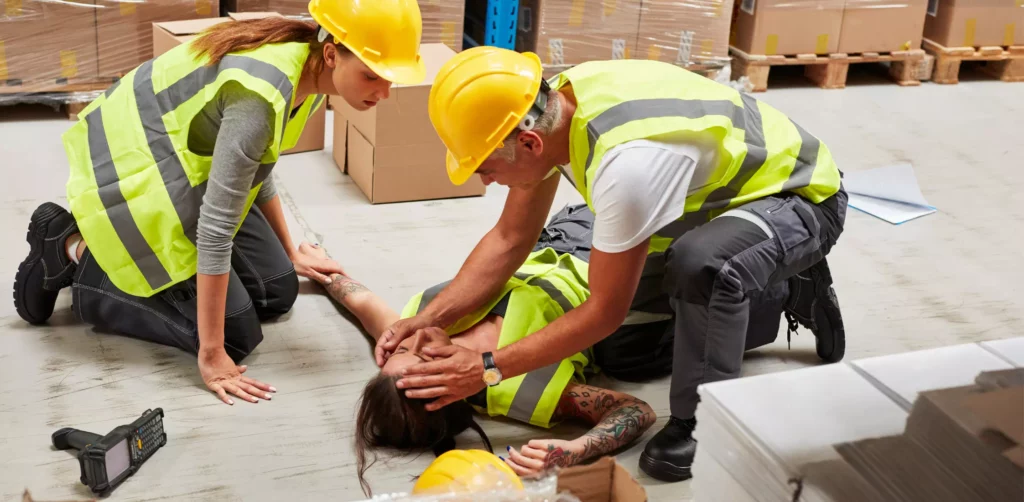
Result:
[[726, 282], [722, 288], [262, 284]]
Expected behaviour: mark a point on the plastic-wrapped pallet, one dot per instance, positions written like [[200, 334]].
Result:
[[565, 33], [442, 19], [69, 51], [46, 47], [689, 33]]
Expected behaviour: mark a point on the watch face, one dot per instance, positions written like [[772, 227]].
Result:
[[491, 377]]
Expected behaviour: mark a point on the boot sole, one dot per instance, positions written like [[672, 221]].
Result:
[[663, 471], [36, 238]]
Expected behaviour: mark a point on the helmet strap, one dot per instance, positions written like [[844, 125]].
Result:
[[540, 103], [321, 34]]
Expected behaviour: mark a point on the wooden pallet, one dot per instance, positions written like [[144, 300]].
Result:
[[829, 71], [1004, 63], [71, 105]]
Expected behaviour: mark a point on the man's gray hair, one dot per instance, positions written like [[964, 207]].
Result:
[[548, 122]]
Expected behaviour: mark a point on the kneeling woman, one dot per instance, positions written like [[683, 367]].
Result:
[[176, 234], [544, 288]]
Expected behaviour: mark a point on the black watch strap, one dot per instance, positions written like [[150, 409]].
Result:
[[489, 361]]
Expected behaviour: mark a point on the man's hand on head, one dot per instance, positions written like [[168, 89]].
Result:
[[388, 341], [455, 374]]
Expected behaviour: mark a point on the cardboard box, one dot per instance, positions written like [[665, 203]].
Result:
[[171, 34], [975, 23], [787, 27], [393, 153], [443, 22], [167, 35], [30, 52], [602, 481], [882, 25], [690, 34], [565, 33], [125, 29]]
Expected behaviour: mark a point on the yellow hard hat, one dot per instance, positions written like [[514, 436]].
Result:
[[384, 34], [479, 97], [466, 471]]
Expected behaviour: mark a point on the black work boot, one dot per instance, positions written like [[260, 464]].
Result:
[[813, 303], [47, 268], [669, 454]]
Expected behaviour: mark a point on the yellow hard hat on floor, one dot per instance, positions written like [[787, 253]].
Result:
[[479, 97], [466, 471], [384, 34]]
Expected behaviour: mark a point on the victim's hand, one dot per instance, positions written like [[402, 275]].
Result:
[[542, 454], [312, 262], [222, 376], [456, 374]]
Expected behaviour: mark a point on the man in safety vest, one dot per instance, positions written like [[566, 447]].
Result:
[[710, 206]]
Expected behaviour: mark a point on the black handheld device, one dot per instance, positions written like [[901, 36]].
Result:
[[106, 461]]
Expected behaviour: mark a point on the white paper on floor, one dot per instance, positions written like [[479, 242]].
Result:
[[890, 193]]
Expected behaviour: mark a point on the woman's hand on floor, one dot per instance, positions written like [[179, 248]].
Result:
[[222, 376], [542, 454], [312, 262]]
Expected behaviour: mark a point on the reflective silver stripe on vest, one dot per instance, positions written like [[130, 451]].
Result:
[[530, 391], [430, 294], [640, 109], [756, 156], [552, 291], [117, 207], [185, 198], [532, 387], [806, 161], [152, 107], [316, 102]]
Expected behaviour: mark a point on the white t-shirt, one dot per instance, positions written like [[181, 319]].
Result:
[[641, 187]]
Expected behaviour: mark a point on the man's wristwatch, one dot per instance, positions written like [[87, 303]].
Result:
[[492, 376]]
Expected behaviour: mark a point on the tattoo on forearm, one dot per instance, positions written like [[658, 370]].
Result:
[[342, 286], [619, 421]]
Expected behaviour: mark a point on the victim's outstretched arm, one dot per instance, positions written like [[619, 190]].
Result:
[[372, 311], [617, 418]]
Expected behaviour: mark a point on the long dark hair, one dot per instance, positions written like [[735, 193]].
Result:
[[387, 418], [222, 39]]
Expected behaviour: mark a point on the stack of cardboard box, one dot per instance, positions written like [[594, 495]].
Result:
[[124, 29], [693, 33], [565, 33], [392, 151], [971, 23], [789, 27], [46, 42], [442, 19]]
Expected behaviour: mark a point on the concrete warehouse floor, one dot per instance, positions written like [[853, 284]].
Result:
[[949, 278]]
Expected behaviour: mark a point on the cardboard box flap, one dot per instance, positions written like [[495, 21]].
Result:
[[242, 16], [191, 26], [601, 481]]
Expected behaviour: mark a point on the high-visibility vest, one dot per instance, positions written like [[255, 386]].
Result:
[[546, 287], [760, 151], [135, 188]]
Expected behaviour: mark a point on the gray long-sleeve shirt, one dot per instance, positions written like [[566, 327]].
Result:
[[235, 128]]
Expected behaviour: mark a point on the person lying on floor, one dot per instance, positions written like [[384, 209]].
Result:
[[544, 288]]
